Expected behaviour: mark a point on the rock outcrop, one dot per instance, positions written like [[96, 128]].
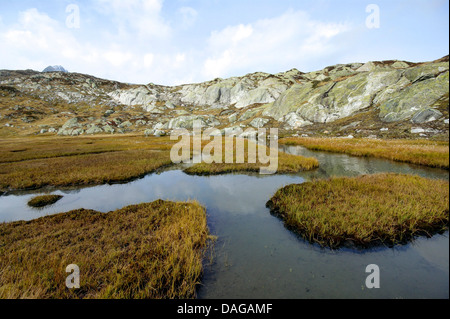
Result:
[[396, 91], [55, 68]]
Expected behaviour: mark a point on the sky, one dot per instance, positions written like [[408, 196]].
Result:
[[172, 42]]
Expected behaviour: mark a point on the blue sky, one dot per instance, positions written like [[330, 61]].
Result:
[[184, 41]]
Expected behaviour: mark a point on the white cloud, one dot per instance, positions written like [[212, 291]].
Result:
[[242, 33], [216, 67], [36, 34], [136, 17], [131, 53], [118, 58], [148, 60], [33, 31], [290, 39], [36, 41], [180, 58], [188, 16]]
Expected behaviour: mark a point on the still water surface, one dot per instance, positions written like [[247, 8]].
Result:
[[255, 256]]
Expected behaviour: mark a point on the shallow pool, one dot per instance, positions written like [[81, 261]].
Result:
[[255, 256]]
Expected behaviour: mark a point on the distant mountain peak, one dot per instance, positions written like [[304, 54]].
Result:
[[55, 68]]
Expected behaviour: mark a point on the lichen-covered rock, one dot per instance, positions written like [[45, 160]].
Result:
[[149, 132], [399, 94], [400, 65], [109, 129], [233, 131], [394, 90], [70, 128], [170, 105], [249, 114], [94, 129], [416, 97], [426, 115], [367, 67], [135, 96], [141, 123], [125, 124], [341, 99], [186, 122], [289, 101], [294, 121], [240, 92], [259, 122], [419, 130], [427, 71], [233, 118], [260, 95], [71, 123]]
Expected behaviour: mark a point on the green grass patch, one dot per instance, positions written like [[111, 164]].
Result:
[[44, 200], [368, 210], [148, 251]]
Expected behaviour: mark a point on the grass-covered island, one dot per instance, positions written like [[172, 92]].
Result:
[[43, 200], [153, 250], [250, 161], [369, 210]]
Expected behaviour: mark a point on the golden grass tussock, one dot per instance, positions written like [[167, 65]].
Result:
[[420, 152], [44, 200], [31, 148], [286, 163], [367, 210], [153, 250], [29, 163]]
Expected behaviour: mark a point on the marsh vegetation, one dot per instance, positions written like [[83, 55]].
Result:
[[156, 250], [32, 163], [245, 156], [153, 250], [367, 210], [420, 152]]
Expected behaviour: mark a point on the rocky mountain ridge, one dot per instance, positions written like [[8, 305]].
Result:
[[376, 99]]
